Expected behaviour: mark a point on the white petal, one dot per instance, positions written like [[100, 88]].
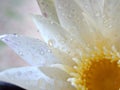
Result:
[[31, 50], [32, 78], [72, 19], [112, 21], [26, 77], [111, 11], [54, 73], [52, 33], [48, 9], [104, 13], [69, 14], [56, 37], [93, 8], [112, 17], [65, 45]]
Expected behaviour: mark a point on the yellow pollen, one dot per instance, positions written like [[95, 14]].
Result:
[[98, 72]]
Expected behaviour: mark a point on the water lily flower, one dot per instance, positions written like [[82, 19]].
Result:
[[81, 49]]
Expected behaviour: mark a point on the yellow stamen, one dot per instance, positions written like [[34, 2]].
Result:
[[99, 71]]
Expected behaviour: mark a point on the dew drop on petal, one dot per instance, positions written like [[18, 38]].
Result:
[[49, 51], [50, 43], [42, 52], [20, 53]]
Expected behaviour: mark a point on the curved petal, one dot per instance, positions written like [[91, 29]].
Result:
[[32, 78], [63, 44], [72, 18], [54, 73], [70, 15], [112, 21], [111, 11], [31, 50], [112, 18], [56, 37], [48, 9], [93, 8], [105, 13], [105, 16], [26, 77], [52, 33]]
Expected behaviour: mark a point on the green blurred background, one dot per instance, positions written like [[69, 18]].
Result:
[[15, 17]]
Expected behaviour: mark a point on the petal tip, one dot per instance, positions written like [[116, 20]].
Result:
[[6, 37], [2, 36]]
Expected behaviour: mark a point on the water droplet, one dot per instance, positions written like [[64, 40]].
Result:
[[49, 51], [42, 52], [20, 53], [50, 43], [75, 59]]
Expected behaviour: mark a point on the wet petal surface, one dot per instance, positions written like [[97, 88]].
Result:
[[34, 51]]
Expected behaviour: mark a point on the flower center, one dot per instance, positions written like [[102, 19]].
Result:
[[99, 75], [98, 72]]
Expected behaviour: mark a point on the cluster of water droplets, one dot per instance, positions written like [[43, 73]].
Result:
[[107, 23]]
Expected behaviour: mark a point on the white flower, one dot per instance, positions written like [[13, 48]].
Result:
[[84, 37]]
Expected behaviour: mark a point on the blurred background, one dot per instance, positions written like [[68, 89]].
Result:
[[15, 17]]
